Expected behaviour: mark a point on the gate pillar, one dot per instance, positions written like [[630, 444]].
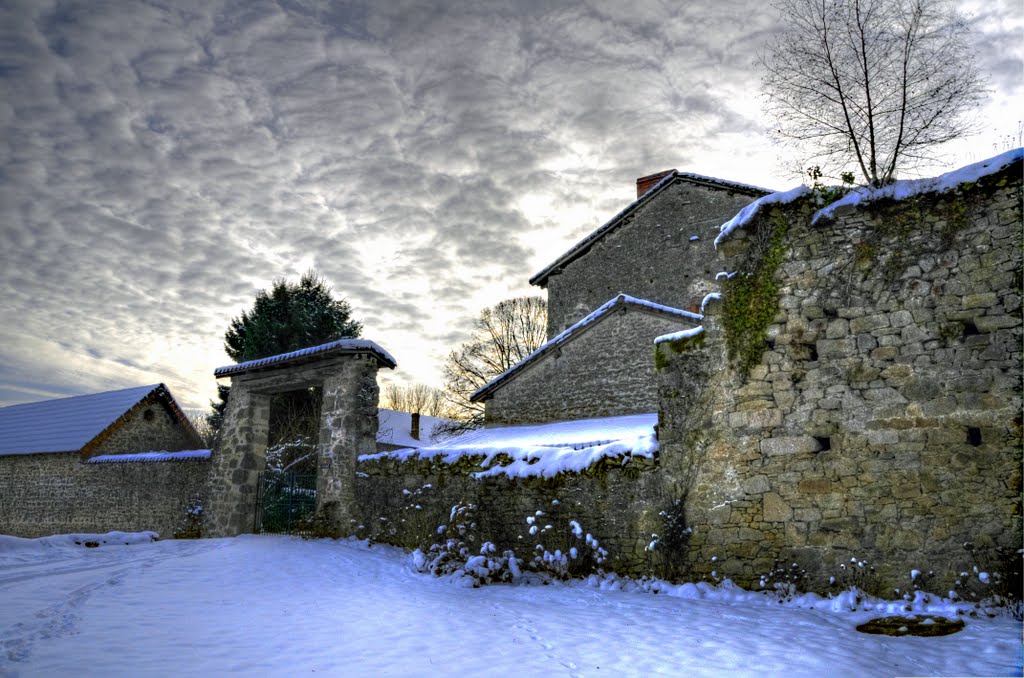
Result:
[[346, 370]]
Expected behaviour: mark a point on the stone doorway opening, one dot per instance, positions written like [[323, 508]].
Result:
[[345, 374]]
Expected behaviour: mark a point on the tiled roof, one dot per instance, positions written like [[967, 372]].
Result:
[[65, 424], [339, 347], [583, 246]]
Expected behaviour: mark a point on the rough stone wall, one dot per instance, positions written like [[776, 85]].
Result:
[[43, 494], [605, 371], [650, 257], [149, 429], [403, 503], [883, 420], [348, 429]]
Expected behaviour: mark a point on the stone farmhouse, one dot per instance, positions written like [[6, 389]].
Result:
[[127, 460], [640, 275]]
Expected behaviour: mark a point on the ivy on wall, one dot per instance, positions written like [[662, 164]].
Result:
[[751, 299]]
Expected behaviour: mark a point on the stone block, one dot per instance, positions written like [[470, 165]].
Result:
[[756, 484], [789, 445], [774, 509], [815, 486], [835, 348], [992, 323], [981, 300], [837, 329], [868, 323]]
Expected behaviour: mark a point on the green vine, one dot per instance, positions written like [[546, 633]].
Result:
[[751, 300]]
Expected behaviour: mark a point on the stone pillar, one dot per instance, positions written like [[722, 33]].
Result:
[[348, 428], [240, 455]]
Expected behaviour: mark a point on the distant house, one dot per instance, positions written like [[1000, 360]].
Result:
[[140, 419], [399, 430], [641, 275], [123, 460]]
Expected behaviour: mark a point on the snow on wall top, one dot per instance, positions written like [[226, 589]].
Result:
[[900, 190], [543, 450], [64, 424], [583, 246], [395, 428], [339, 346], [149, 457], [744, 216], [569, 332]]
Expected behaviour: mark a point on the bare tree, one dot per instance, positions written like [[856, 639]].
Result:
[[871, 84], [504, 334], [417, 399]]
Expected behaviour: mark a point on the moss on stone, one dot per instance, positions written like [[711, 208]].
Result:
[[751, 298]]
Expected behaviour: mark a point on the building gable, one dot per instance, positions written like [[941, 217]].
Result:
[[660, 248]]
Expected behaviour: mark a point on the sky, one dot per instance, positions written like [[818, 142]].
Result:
[[161, 161]]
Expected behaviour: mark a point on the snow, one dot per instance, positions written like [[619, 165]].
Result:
[[708, 298], [395, 428], [901, 190], [744, 216], [149, 456], [569, 332], [685, 334], [282, 606], [543, 450], [64, 424], [339, 345]]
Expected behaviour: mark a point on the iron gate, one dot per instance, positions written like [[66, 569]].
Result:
[[285, 503]]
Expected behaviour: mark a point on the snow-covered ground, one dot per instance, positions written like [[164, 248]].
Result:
[[281, 606]]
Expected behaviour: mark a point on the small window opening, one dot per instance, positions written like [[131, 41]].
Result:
[[974, 436], [824, 443], [970, 329], [812, 352], [148, 415]]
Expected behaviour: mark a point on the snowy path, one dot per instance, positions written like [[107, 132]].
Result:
[[256, 606]]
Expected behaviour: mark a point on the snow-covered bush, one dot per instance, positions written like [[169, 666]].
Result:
[[563, 550], [191, 524]]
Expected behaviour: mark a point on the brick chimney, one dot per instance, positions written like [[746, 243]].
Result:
[[415, 432], [644, 184]]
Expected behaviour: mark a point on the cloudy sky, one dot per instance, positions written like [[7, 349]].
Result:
[[162, 160]]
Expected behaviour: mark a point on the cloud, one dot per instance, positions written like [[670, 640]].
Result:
[[160, 163]]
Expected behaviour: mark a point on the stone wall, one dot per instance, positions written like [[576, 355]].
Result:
[[651, 256], [150, 428], [404, 503], [882, 422], [604, 371], [348, 428], [58, 493]]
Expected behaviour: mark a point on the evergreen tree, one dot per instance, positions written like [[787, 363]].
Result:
[[288, 317]]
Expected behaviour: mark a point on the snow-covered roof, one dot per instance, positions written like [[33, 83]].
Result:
[[620, 300], [70, 424], [339, 347], [583, 246], [395, 428], [543, 450]]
